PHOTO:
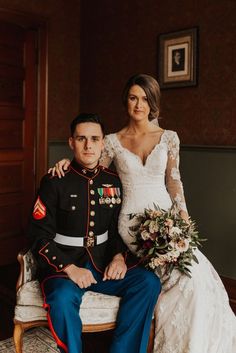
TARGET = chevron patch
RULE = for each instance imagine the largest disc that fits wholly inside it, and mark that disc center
(39, 209)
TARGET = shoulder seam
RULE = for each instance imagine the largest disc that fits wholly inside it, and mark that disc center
(109, 171)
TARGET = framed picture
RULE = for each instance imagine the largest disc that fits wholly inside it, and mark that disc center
(177, 64)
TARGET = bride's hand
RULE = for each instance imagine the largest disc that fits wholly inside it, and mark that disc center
(185, 216)
(59, 168)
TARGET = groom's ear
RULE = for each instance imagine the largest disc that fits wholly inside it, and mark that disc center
(71, 143)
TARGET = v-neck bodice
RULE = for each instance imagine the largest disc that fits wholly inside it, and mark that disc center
(135, 154)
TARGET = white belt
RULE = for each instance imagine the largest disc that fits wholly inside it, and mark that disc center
(79, 241)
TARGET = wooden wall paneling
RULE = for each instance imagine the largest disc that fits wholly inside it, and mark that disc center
(11, 134)
(18, 123)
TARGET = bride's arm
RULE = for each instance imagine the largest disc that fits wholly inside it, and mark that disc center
(173, 180)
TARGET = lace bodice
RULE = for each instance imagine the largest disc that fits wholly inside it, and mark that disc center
(157, 181)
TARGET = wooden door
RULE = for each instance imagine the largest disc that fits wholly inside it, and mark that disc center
(18, 131)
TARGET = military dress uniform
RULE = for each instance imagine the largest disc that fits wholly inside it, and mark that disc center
(74, 221)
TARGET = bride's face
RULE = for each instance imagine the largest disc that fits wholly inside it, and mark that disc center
(137, 104)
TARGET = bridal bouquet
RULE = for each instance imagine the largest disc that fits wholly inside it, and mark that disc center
(164, 240)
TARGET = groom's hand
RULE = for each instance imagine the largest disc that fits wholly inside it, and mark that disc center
(81, 276)
(116, 269)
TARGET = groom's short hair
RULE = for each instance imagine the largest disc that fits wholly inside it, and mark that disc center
(86, 118)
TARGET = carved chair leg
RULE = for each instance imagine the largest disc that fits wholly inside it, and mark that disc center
(151, 338)
(18, 337)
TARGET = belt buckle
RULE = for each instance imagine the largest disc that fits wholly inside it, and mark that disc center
(89, 242)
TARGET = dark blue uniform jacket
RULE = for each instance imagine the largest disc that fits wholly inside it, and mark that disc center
(85, 203)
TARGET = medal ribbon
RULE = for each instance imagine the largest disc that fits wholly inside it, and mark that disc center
(100, 191)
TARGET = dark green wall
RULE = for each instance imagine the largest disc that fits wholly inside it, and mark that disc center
(209, 177)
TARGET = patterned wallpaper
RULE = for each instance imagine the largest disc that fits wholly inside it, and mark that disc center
(119, 39)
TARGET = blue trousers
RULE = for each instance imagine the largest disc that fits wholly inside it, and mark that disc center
(139, 291)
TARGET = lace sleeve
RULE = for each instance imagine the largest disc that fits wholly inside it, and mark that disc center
(108, 152)
(173, 180)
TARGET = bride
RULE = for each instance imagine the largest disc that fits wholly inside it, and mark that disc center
(192, 314)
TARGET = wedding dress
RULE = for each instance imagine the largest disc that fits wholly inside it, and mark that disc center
(192, 315)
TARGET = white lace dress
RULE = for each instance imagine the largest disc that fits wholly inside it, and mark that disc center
(192, 315)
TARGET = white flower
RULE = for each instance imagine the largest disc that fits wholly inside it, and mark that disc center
(161, 260)
(175, 231)
(153, 227)
(182, 245)
(179, 245)
(169, 222)
(145, 235)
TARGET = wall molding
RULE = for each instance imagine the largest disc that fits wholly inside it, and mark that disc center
(206, 148)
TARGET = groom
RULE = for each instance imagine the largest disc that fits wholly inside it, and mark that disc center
(74, 237)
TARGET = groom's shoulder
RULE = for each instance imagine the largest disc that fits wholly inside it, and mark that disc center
(110, 178)
(109, 171)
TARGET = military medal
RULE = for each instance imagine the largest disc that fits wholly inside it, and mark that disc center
(101, 200)
(112, 191)
(118, 199)
(106, 195)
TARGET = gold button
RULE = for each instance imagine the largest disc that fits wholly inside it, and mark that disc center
(60, 265)
(91, 182)
(46, 251)
(54, 257)
(92, 213)
(91, 233)
(91, 224)
(92, 192)
(92, 202)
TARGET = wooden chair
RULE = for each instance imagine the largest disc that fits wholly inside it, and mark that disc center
(98, 311)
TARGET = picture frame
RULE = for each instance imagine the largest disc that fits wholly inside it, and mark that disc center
(177, 58)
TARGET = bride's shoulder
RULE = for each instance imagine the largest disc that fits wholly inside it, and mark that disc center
(111, 142)
(110, 137)
(170, 133)
(171, 136)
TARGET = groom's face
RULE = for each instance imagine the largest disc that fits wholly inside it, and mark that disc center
(87, 143)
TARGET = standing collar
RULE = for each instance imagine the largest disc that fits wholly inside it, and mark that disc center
(84, 171)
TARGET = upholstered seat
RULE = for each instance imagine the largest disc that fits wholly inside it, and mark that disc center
(95, 309)
(98, 311)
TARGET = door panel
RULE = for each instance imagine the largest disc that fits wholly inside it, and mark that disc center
(18, 114)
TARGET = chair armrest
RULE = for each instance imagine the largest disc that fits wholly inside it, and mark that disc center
(28, 268)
